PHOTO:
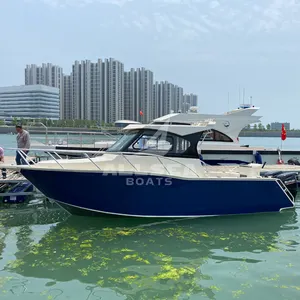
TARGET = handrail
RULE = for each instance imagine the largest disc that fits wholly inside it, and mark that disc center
(160, 158)
(153, 155)
(41, 123)
(92, 162)
(124, 154)
(23, 156)
(285, 189)
(55, 159)
(59, 151)
(81, 132)
(206, 133)
(81, 138)
(163, 165)
(95, 152)
(107, 134)
(129, 162)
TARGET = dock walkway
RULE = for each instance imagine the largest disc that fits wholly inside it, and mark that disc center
(15, 184)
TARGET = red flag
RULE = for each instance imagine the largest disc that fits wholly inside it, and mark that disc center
(283, 133)
(141, 113)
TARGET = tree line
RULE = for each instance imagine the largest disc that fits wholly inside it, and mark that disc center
(59, 123)
(260, 127)
(94, 124)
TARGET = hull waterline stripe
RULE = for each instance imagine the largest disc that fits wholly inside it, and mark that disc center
(154, 216)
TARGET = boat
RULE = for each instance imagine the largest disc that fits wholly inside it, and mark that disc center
(231, 123)
(227, 126)
(154, 170)
(221, 147)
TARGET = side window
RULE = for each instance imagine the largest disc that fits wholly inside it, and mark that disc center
(154, 142)
(209, 136)
(220, 137)
(182, 145)
(216, 136)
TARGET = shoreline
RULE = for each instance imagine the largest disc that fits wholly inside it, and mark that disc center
(116, 131)
(269, 133)
(51, 130)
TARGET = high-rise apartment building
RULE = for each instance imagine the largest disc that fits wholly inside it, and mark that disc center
(102, 91)
(167, 98)
(81, 91)
(113, 90)
(162, 98)
(138, 95)
(177, 104)
(189, 100)
(95, 91)
(67, 107)
(46, 74)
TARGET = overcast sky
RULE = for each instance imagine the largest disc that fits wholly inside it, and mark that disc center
(208, 47)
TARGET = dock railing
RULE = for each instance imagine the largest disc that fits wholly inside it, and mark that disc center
(69, 138)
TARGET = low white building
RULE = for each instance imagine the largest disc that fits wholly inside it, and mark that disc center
(30, 101)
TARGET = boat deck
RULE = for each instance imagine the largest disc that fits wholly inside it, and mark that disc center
(286, 168)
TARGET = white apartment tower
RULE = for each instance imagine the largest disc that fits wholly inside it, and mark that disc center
(162, 98)
(177, 104)
(138, 95)
(96, 91)
(113, 90)
(68, 110)
(81, 90)
(190, 99)
(167, 98)
(102, 91)
(47, 74)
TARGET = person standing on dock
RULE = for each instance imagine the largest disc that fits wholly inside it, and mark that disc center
(4, 174)
(23, 142)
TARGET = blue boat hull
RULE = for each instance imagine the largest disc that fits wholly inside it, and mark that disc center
(152, 196)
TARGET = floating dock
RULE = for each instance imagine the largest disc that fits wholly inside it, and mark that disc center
(15, 187)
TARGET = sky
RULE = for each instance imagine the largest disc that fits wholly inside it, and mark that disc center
(210, 48)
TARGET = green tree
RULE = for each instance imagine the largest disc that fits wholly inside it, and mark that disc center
(15, 121)
(261, 127)
(2, 122)
(268, 127)
(255, 127)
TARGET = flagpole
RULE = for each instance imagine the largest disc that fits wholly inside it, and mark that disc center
(283, 135)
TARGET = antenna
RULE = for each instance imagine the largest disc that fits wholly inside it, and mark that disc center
(251, 100)
(228, 101)
(239, 95)
(244, 96)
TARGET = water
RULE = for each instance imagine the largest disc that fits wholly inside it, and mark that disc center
(47, 254)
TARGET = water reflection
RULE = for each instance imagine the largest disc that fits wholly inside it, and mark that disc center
(36, 212)
(142, 259)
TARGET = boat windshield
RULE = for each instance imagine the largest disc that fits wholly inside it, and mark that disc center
(125, 139)
(157, 142)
